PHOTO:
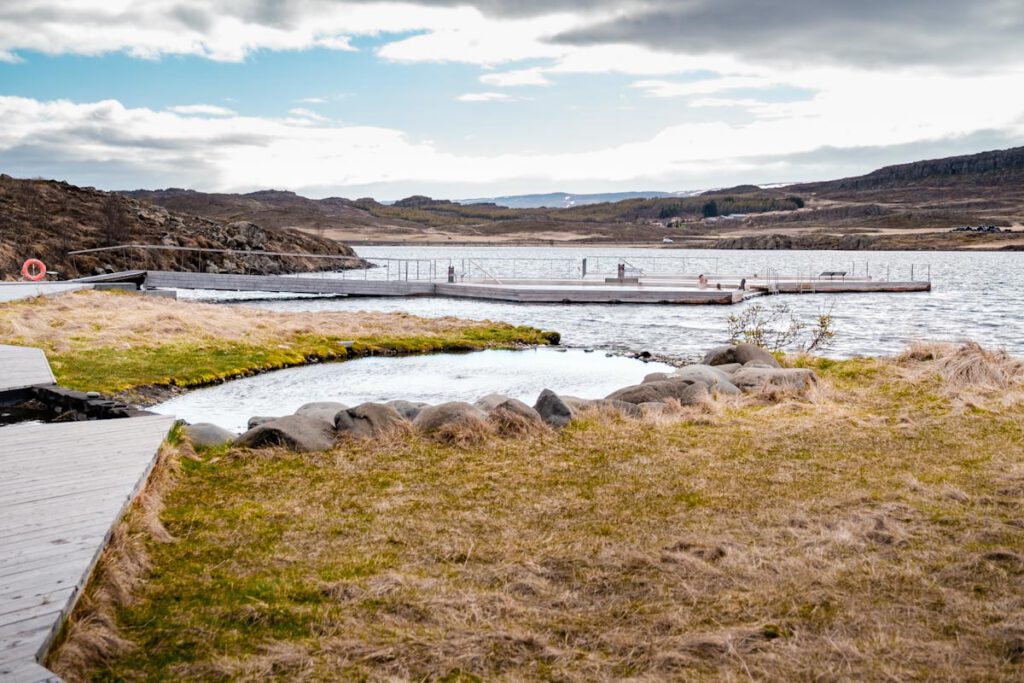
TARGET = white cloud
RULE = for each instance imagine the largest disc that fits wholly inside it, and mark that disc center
(233, 153)
(311, 100)
(706, 86)
(201, 110)
(522, 77)
(302, 113)
(486, 97)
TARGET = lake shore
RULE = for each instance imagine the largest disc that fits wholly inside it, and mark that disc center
(868, 529)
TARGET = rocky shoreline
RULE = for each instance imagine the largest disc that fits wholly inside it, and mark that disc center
(724, 371)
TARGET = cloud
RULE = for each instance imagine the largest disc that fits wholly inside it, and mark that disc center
(201, 110)
(867, 34)
(486, 97)
(311, 100)
(240, 153)
(706, 86)
(302, 113)
(506, 79)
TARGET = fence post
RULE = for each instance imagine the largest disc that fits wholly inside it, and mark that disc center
(584, 266)
(911, 272)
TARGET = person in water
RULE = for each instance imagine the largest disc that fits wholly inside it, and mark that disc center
(702, 281)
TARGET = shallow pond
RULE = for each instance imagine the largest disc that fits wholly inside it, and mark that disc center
(430, 379)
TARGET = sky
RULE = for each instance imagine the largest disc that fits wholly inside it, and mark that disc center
(463, 98)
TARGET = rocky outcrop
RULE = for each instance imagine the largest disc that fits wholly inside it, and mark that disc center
(46, 219)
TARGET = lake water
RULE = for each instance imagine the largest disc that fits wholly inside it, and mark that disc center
(975, 296)
(430, 379)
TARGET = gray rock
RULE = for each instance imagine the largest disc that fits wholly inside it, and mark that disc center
(740, 353)
(454, 413)
(750, 378)
(258, 420)
(490, 402)
(577, 404)
(295, 432)
(710, 376)
(655, 377)
(369, 420)
(322, 410)
(206, 435)
(552, 409)
(408, 409)
(729, 368)
(513, 416)
(656, 392)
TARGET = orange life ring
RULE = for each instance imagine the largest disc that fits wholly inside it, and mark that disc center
(28, 274)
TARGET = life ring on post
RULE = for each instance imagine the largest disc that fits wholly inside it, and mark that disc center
(33, 270)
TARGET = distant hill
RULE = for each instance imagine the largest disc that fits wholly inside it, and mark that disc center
(563, 200)
(46, 219)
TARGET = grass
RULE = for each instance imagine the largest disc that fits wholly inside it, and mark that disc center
(114, 343)
(870, 531)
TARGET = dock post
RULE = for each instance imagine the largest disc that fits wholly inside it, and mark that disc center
(911, 272)
(451, 274)
(622, 271)
(584, 266)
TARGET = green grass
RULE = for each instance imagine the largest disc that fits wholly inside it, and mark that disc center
(115, 370)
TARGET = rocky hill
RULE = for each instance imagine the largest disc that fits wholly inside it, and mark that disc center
(46, 219)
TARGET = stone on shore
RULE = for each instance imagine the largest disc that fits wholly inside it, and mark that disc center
(552, 409)
(207, 435)
(408, 409)
(257, 420)
(740, 353)
(754, 378)
(321, 409)
(369, 420)
(657, 392)
(708, 375)
(490, 402)
(452, 414)
(515, 417)
(295, 432)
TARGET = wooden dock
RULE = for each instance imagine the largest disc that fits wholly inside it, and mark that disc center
(62, 489)
(22, 367)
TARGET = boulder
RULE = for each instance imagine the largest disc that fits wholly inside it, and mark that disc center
(258, 420)
(295, 432)
(750, 378)
(729, 368)
(655, 377)
(206, 435)
(656, 392)
(577, 404)
(552, 409)
(322, 410)
(408, 409)
(708, 375)
(739, 353)
(452, 414)
(490, 402)
(369, 420)
(515, 417)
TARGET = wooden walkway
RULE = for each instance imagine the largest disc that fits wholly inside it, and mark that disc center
(22, 367)
(14, 291)
(62, 489)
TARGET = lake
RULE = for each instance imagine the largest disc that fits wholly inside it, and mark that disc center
(975, 296)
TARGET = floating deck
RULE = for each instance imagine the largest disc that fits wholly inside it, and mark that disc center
(62, 489)
(643, 289)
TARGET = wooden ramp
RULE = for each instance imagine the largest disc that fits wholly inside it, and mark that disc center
(62, 489)
(22, 367)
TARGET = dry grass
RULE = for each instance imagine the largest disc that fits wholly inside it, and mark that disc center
(103, 320)
(872, 532)
(968, 373)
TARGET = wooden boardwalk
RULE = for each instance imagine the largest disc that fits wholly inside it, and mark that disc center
(62, 489)
(14, 291)
(22, 367)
